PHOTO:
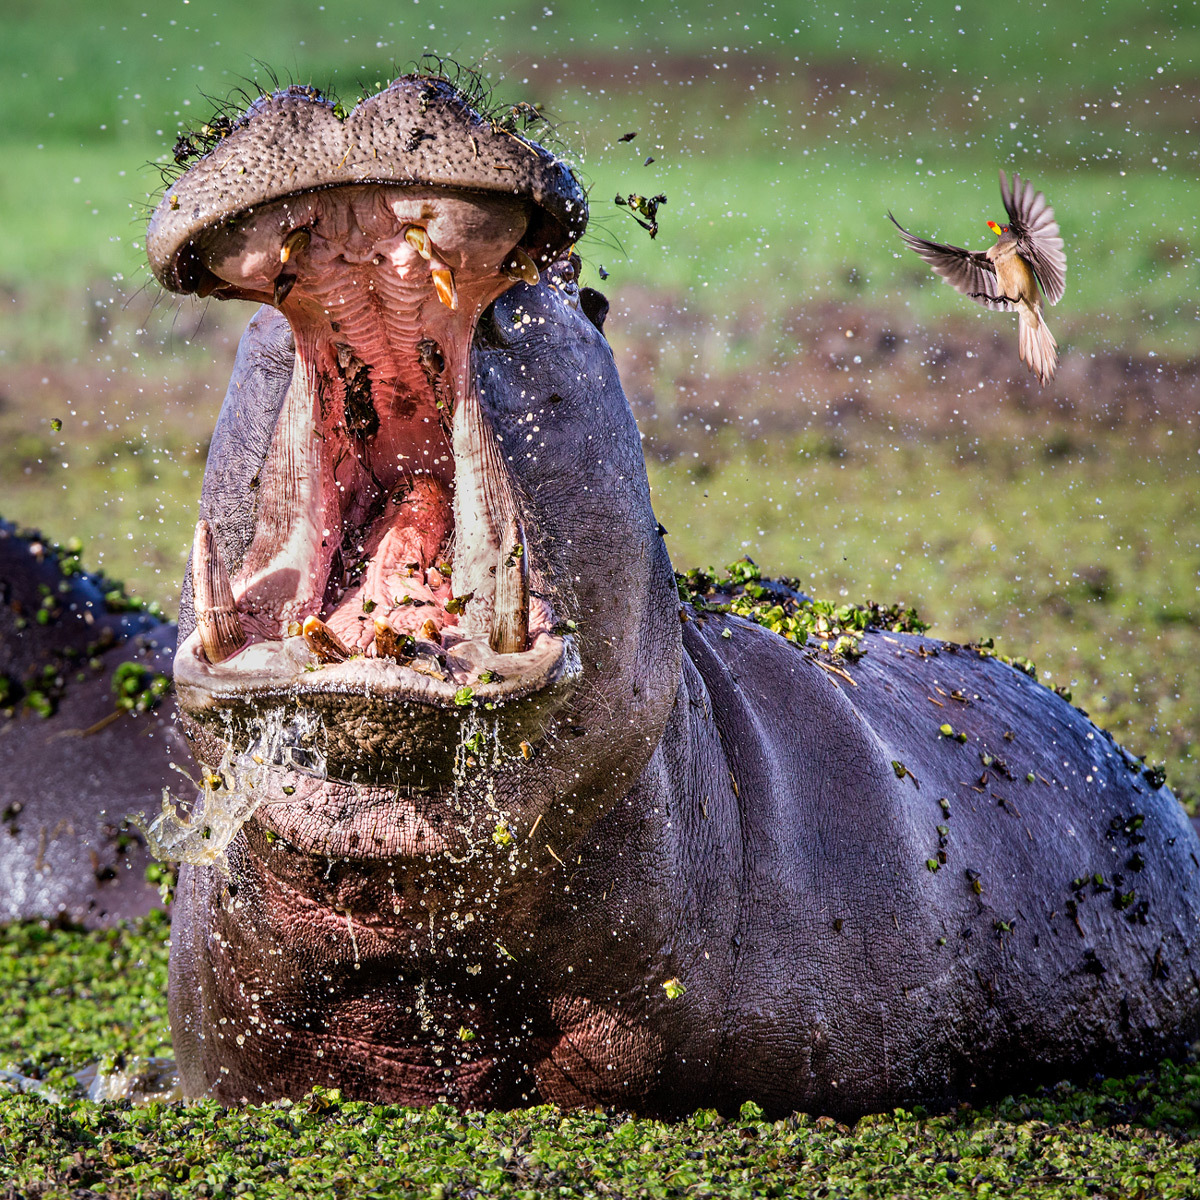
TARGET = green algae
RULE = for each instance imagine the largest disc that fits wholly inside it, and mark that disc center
(74, 997)
(780, 606)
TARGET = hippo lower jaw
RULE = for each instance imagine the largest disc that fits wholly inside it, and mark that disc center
(389, 561)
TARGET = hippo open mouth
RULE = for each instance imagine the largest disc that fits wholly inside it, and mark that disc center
(387, 555)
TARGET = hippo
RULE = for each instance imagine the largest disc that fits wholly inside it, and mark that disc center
(87, 735)
(526, 817)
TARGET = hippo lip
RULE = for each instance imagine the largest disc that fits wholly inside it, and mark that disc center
(389, 555)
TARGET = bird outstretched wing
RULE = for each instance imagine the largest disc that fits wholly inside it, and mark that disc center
(967, 271)
(1039, 242)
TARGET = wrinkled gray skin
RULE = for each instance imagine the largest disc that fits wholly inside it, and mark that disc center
(68, 781)
(698, 803)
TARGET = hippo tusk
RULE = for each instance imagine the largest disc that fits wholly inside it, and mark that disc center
(221, 632)
(294, 243)
(443, 277)
(283, 285)
(418, 239)
(510, 615)
(520, 266)
(443, 284)
(390, 644)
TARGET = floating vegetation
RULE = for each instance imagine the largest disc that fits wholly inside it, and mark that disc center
(673, 988)
(138, 689)
(780, 606)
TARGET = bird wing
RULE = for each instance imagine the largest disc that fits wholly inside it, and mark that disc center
(967, 271)
(1038, 238)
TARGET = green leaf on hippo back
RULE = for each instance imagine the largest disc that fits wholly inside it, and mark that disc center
(674, 988)
(464, 696)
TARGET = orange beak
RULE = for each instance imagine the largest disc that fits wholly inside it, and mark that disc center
(995, 228)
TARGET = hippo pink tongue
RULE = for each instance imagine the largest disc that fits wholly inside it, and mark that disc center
(381, 443)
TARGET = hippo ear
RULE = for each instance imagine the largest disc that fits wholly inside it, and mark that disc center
(594, 305)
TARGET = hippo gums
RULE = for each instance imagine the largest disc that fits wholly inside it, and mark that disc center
(528, 826)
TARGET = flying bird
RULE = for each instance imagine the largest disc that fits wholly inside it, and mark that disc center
(1007, 276)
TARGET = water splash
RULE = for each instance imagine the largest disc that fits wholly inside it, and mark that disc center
(232, 791)
(138, 1080)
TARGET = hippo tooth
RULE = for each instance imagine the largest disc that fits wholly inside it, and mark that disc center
(520, 266)
(418, 239)
(443, 277)
(221, 632)
(510, 615)
(390, 644)
(443, 283)
(295, 241)
(323, 642)
(283, 285)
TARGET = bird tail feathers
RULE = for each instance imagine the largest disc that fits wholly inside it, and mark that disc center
(1037, 345)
